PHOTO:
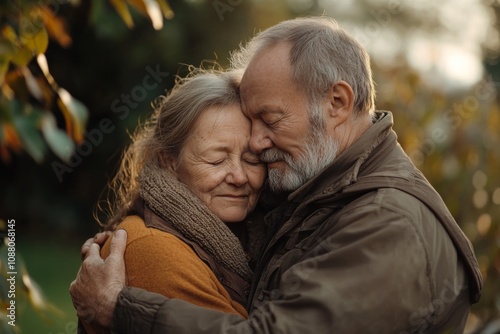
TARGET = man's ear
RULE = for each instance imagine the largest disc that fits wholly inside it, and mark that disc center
(340, 102)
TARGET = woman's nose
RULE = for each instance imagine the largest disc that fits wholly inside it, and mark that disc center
(237, 175)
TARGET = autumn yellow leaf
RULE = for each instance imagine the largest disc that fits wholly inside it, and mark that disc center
(122, 9)
(37, 41)
(166, 9)
(75, 114)
(11, 139)
(56, 27)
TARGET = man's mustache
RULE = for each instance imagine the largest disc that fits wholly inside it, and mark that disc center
(274, 154)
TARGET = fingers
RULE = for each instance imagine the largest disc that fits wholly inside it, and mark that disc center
(72, 292)
(100, 238)
(85, 248)
(95, 290)
(118, 244)
(94, 251)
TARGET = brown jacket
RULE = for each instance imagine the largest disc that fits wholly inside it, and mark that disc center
(367, 246)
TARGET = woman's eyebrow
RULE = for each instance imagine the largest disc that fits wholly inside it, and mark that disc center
(222, 147)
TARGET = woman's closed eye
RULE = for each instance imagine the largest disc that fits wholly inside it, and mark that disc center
(213, 159)
(215, 162)
(252, 159)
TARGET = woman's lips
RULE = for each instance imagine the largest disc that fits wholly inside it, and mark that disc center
(230, 195)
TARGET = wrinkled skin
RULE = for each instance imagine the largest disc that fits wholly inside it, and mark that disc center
(95, 290)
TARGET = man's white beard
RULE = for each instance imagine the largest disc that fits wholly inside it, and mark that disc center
(320, 151)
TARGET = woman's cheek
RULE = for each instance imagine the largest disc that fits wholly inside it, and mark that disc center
(258, 177)
(213, 176)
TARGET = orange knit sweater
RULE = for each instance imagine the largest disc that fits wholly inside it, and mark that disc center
(160, 262)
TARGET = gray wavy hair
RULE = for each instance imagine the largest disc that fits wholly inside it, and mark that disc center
(321, 54)
(163, 135)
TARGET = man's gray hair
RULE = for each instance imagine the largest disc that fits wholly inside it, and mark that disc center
(321, 54)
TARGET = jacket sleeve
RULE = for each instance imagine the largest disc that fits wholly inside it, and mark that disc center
(369, 274)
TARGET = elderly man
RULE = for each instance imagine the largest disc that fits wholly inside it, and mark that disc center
(362, 244)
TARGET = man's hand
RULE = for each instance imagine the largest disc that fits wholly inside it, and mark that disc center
(100, 238)
(98, 283)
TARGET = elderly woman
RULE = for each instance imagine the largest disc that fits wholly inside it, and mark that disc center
(185, 186)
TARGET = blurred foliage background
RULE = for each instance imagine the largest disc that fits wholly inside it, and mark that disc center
(76, 76)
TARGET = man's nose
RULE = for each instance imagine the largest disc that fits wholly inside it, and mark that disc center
(259, 140)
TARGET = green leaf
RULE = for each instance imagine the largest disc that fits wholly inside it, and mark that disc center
(26, 125)
(57, 139)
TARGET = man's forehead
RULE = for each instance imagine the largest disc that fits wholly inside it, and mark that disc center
(249, 82)
(273, 59)
(251, 75)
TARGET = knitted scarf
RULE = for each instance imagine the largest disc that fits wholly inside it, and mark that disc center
(174, 202)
